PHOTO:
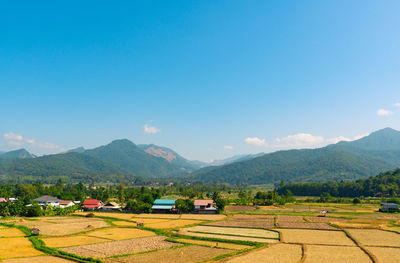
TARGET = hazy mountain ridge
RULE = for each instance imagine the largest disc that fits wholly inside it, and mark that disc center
(378, 152)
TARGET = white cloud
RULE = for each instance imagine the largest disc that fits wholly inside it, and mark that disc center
(299, 140)
(383, 112)
(397, 104)
(228, 147)
(150, 129)
(255, 141)
(18, 140)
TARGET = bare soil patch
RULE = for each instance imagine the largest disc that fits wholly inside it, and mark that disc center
(186, 254)
(268, 218)
(278, 253)
(113, 248)
(316, 237)
(318, 254)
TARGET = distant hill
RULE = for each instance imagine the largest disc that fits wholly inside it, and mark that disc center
(19, 154)
(378, 152)
(236, 158)
(119, 161)
(172, 157)
(77, 150)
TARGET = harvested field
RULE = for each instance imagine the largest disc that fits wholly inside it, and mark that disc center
(269, 218)
(354, 225)
(68, 227)
(305, 225)
(317, 237)
(176, 255)
(152, 220)
(283, 218)
(386, 254)
(120, 233)
(236, 208)
(10, 232)
(373, 237)
(325, 219)
(227, 237)
(282, 253)
(318, 254)
(124, 223)
(173, 223)
(237, 223)
(213, 244)
(108, 214)
(248, 232)
(38, 259)
(17, 247)
(203, 217)
(121, 247)
(69, 241)
(168, 216)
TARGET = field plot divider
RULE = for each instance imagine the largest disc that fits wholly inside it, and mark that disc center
(366, 251)
(303, 253)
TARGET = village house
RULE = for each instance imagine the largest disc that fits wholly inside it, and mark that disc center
(204, 207)
(111, 206)
(3, 200)
(92, 204)
(48, 200)
(164, 206)
(389, 207)
(66, 203)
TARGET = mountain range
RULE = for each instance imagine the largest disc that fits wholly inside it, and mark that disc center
(368, 156)
(124, 161)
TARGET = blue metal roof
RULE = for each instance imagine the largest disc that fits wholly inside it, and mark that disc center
(161, 207)
(164, 202)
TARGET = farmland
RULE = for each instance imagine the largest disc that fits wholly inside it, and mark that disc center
(279, 234)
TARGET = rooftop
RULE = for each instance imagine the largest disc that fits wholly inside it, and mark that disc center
(47, 198)
(164, 202)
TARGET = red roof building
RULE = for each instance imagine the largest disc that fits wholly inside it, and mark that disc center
(92, 204)
(204, 206)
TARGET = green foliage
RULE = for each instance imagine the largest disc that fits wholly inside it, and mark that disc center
(34, 210)
(356, 200)
(385, 185)
(185, 205)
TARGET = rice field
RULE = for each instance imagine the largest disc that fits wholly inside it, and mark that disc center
(386, 254)
(17, 247)
(248, 232)
(152, 220)
(37, 259)
(237, 223)
(325, 219)
(10, 232)
(228, 237)
(305, 225)
(213, 244)
(65, 227)
(124, 223)
(284, 218)
(254, 217)
(173, 223)
(167, 216)
(278, 253)
(112, 248)
(120, 233)
(68, 241)
(203, 216)
(373, 237)
(316, 237)
(318, 254)
(187, 254)
(126, 216)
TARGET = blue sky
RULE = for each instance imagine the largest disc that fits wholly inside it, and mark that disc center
(210, 79)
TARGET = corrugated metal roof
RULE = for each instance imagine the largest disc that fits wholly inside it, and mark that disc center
(164, 202)
(203, 202)
(161, 207)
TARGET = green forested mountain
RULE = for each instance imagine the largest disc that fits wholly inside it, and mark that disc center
(380, 151)
(19, 154)
(121, 160)
(385, 184)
